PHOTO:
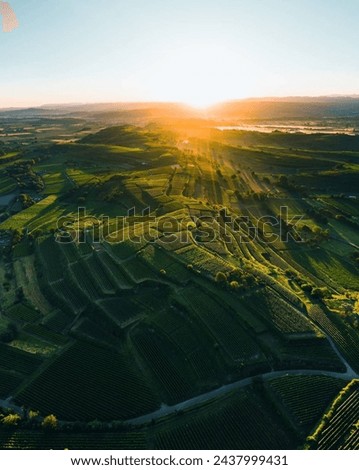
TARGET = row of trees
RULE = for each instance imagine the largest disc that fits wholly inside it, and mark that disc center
(236, 279)
(25, 175)
(32, 418)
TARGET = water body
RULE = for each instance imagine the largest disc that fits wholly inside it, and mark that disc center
(289, 129)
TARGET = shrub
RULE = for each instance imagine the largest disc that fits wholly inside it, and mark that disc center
(234, 285)
(11, 420)
(50, 422)
(221, 278)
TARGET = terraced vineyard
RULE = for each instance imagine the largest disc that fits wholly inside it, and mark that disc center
(346, 338)
(170, 311)
(9, 381)
(23, 313)
(191, 341)
(224, 327)
(339, 428)
(169, 368)
(305, 397)
(228, 427)
(281, 315)
(70, 386)
(12, 359)
(22, 439)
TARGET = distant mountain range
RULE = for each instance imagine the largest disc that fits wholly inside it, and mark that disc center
(251, 108)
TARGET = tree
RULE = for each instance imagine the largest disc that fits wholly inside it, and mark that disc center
(234, 285)
(33, 415)
(20, 294)
(11, 420)
(319, 292)
(307, 287)
(16, 237)
(221, 278)
(249, 279)
(26, 201)
(50, 422)
(236, 274)
(283, 181)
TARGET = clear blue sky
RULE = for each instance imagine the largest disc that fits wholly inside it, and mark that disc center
(195, 51)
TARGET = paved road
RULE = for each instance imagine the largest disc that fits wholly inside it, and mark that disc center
(167, 410)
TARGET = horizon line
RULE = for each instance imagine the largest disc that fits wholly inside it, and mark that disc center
(183, 103)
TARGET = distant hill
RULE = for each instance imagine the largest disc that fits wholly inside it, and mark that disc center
(126, 136)
(289, 108)
(253, 108)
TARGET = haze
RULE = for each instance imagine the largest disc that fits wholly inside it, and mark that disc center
(193, 52)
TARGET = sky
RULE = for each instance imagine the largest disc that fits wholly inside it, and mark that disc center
(193, 51)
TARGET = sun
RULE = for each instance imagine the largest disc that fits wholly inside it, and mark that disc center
(199, 75)
(203, 99)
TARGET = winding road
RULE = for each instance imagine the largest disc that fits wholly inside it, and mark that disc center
(166, 410)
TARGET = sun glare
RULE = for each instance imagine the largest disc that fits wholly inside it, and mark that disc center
(200, 98)
(199, 75)
(203, 100)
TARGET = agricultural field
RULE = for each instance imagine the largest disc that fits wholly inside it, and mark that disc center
(227, 425)
(24, 439)
(177, 284)
(339, 426)
(95, 371)
(305, 398)
(33, 217)
(17, 361)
